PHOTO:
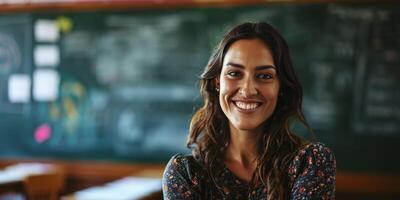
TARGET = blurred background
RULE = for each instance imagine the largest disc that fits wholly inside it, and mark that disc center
(105, 89)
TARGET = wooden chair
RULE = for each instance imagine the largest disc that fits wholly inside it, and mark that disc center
(44, 186)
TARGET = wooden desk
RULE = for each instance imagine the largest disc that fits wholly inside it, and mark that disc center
(144, 185)
(7, 186)
(12, 177)
(10, 182)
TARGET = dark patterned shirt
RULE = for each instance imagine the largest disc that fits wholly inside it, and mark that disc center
(311, 176)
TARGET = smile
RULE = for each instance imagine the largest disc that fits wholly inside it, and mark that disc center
(247, 106)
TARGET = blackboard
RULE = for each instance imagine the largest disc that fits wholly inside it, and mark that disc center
(128, 79)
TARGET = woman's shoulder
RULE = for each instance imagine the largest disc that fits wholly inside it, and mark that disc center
(183, 160)
(314, 148)
(183, 177)
(312, 173)
(313, 155)
(182, 164)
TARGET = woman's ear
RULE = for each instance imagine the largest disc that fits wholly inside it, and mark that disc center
(216, 83)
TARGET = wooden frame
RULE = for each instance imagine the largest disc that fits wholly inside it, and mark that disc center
(94, 5)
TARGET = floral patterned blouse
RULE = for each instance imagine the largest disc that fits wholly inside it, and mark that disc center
(311, 176)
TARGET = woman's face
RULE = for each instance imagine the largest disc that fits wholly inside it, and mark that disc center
(249, 84)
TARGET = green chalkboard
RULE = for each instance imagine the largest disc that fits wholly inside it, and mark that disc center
(126, 82)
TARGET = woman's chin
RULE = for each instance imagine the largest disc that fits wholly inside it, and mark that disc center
(248, 127)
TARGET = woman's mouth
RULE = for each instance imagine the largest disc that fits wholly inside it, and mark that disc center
(246, 106)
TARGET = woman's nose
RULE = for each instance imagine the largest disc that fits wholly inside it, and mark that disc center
(248, 88)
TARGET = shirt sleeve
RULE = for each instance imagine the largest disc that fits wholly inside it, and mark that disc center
(313, 173)
(179, 181)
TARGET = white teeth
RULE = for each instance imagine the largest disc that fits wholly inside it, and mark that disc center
(246, 106)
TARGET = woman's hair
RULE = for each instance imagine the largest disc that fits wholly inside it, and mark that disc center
(209, 129)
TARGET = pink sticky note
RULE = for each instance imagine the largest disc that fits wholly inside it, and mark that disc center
(42, 133)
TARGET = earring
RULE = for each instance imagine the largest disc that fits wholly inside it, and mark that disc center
(217, 89)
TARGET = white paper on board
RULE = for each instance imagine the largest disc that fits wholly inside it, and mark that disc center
(45, 85)
(46, 30)
(19, 88)
(46, 55)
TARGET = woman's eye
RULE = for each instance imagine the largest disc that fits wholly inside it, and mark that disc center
(233, 74)
(264, 76)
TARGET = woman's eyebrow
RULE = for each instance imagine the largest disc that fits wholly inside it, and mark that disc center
(235, 65)
(261, 67)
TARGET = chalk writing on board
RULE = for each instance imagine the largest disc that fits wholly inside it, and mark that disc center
(10, 54)
(365, 14)
(376, 109)
(69, 117)
(321, 106)
(15, 58)
(129, 127)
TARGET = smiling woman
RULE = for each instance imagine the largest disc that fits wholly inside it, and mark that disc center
(242, 145)
(248, 86)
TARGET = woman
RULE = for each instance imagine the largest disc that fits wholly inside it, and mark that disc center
(242, 145)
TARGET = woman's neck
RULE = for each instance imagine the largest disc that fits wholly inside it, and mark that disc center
(241, 149)
(241, 153)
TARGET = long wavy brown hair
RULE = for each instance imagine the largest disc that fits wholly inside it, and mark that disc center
(209, 129)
